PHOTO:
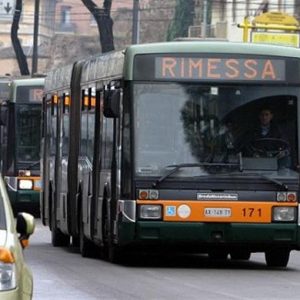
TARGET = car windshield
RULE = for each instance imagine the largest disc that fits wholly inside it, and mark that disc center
(209, 130)
(28, 132)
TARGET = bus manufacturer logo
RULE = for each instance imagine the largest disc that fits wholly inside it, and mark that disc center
(217, 196)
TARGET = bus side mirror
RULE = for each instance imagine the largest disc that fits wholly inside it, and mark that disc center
(111, 107)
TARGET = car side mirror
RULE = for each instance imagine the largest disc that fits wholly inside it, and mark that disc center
(111, 108)
(25, 227)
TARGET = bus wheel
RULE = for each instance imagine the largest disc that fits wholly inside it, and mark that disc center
(87, 247)
(277, 257)
(115, 253)
(59, 239)
(218, 254)
(240, 255)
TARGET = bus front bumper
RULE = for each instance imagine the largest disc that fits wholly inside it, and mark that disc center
(25, 201)
(256, 237)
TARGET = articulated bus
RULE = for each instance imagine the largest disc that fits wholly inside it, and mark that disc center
(20, 142)
(154, 147)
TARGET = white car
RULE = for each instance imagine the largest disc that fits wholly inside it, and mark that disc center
(16, 281)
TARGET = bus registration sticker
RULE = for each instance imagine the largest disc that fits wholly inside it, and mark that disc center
(217, 212)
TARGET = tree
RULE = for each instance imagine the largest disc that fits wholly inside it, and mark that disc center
(104, 23)
(21, 58)
(184, 14)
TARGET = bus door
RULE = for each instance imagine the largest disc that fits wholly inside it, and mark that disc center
(112, 151)
(63, 162)
(92, 157)
(84, 162)
(94, 187)
(46, 152)
(58, 203)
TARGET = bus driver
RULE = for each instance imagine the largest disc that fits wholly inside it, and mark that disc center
(268, 140)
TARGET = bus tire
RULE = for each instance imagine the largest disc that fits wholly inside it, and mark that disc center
(240, 255)
(278, 257)
(87, 247)
(59, 239)
(111, 252)
(115, 253)
(219, 254)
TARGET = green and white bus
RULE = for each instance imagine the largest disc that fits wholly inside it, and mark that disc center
(152, 147)
(20, 142)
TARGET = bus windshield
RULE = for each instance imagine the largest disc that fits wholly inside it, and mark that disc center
(28, 133)
(204, 130)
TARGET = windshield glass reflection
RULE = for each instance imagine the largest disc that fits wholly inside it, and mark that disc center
(215, 126)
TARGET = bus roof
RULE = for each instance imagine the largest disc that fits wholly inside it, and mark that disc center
(205, 47)
(59, 78)
(24, 82)
(28, 81)
(115, 64)
(213, 47)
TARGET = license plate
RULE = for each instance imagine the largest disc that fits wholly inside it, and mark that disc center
(217, 212)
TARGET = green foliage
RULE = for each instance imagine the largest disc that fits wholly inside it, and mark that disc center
(184, 14)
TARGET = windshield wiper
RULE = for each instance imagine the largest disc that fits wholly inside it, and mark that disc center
(180, 166)
(32, 165)
(282, 186)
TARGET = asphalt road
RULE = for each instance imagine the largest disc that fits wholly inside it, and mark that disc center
(62, 274)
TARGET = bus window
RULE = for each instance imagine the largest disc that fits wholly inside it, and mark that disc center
(186, 123)
(29, 94)
(28, 132)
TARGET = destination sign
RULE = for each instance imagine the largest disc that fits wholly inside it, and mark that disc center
(219, 69)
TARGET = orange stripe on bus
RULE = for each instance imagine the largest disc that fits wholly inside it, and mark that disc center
(217, 211)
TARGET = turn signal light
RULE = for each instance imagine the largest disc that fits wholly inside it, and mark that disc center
(286, 196)
(148, 194)
(6, 256)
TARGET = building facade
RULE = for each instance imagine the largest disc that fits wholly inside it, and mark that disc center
(8, 63)
(223, 16)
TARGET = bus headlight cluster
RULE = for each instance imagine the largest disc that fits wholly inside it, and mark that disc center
(286, 196)
(284, 214)
(148, 194)
(7, 276)
(150, 212)
(25, 184)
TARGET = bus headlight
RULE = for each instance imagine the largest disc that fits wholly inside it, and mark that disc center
(284, 213)
(7, 276)
(25, 184)
(148, 194)
(150, 212)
